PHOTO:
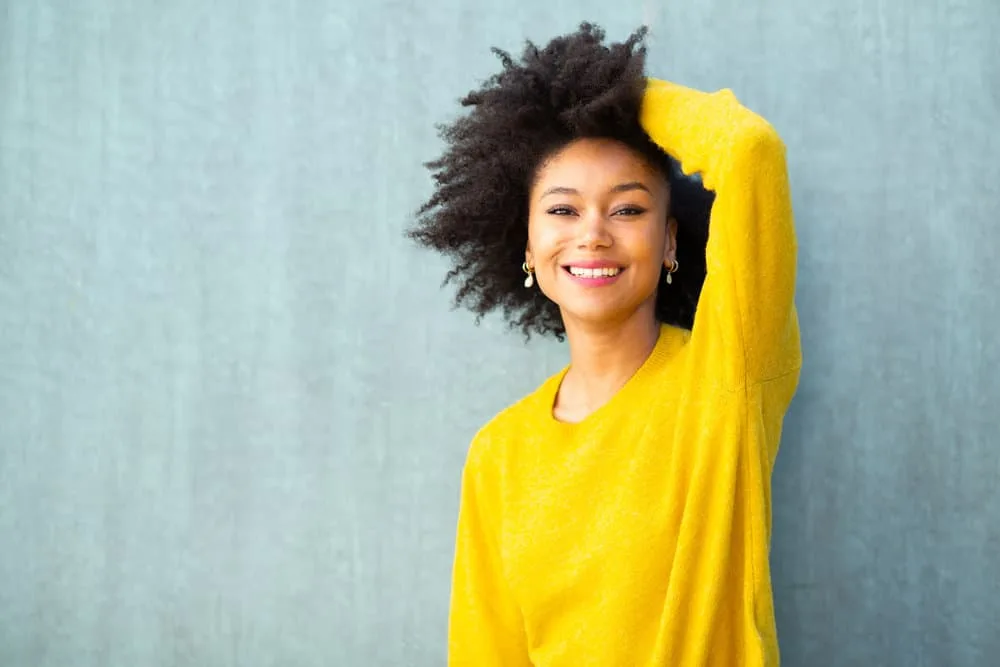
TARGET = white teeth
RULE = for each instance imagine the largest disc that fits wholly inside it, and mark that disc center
(593, 273)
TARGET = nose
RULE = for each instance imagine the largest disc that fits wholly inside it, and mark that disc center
(593, 231)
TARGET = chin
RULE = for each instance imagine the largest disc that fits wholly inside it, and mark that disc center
(597, 315)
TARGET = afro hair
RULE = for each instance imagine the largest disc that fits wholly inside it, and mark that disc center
(575, 87)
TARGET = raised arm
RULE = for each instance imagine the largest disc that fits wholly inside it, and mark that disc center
(748, 297)
(485, 624)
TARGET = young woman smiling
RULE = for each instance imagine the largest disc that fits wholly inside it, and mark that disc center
(620, 514)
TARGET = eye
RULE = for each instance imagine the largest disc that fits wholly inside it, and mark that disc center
(561, 210)
(630, 211)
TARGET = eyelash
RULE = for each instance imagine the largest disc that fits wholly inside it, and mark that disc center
(631, 211)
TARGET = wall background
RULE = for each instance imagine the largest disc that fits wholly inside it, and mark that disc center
(234, 403)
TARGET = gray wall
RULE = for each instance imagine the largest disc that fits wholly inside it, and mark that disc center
(234, 403)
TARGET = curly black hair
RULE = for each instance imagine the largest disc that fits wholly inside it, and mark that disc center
(574, 87)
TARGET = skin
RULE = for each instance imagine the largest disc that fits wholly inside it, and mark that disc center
(598, 200)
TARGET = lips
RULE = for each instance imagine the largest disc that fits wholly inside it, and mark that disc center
(593, 273)
(599, 272)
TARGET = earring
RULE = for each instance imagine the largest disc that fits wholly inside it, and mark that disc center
(671, 271)
(530, 280)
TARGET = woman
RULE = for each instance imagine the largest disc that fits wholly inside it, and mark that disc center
(620, 514)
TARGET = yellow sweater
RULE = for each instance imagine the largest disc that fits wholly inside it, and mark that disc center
(640, 536)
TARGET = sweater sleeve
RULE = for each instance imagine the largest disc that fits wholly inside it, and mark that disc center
(748, 295)
(485, 624)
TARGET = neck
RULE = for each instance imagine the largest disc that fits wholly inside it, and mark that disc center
(602, 359)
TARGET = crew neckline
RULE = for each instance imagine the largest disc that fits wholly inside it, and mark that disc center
(653, 362)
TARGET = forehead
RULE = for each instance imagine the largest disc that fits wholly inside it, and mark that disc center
(597, 162)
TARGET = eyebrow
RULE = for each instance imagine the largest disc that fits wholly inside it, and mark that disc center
(621, 187)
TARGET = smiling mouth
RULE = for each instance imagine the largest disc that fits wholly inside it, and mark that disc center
(595, 273)
(597, 276)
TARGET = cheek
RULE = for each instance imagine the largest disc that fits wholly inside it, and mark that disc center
(648, 244)
(545, 240)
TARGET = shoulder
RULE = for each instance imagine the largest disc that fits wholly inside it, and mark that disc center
(496, 444)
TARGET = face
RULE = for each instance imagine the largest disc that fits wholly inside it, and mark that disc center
(598, 232)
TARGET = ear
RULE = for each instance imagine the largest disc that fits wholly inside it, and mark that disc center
(528, 258)
(670, 243)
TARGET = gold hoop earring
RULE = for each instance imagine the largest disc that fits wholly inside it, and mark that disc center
(530, 280)
(672, 270)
